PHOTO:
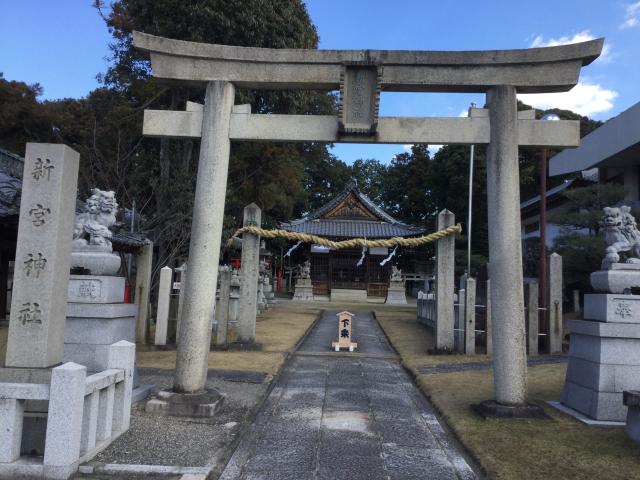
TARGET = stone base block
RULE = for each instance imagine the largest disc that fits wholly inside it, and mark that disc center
(347, 295)
(303, 293)
(95, 262)
(595, 404)
(632, 400)
(583, 418)
(604, 360)
(96, 289)
(493, 409)
(99, 331)
(616, 308)
(396, 296)
(615, 281)
(30, 468)
(94, 357)
(203, 404)
(92, 327)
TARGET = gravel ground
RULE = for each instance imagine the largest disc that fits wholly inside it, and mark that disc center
(187, 442)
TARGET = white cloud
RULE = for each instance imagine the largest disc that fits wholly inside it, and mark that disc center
(433, 149)
(585, 98)
(407, 147)
(583, 36)
(464, 113)
(632, 16)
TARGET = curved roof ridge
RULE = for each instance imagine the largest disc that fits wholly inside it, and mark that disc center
(331, 224)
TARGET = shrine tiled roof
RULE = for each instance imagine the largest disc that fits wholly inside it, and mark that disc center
(351, 214)
(353, 229)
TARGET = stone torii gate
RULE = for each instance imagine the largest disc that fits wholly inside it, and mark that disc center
(360, 75)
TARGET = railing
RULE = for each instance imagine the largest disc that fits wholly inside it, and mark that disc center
(478, 318)
(85, 414)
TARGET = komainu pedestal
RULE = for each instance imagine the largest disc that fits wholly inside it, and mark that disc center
(304, 288)
(604, 350)
(396, 294)
(604, 360)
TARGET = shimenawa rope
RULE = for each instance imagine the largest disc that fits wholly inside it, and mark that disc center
(352, 243)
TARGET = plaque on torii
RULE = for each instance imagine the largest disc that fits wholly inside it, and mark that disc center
(359, 99)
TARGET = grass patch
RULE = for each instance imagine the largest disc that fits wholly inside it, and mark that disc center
(562, 448)
(279, 330)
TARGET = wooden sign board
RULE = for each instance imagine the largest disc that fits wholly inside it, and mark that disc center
(345, 321)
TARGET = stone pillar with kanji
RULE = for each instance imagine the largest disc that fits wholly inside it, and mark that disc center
(43, 256)
(345, 321)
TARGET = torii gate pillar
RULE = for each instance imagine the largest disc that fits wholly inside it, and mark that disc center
(505, 251)
(206, 234)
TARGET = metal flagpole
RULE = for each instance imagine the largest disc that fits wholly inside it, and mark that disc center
(469, 216)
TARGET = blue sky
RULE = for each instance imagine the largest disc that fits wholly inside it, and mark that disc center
(62, 45)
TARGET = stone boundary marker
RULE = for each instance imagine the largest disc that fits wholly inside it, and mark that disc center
(43, 255)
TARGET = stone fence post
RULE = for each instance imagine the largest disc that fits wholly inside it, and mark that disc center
(459, 326)
(222, 310)
(249, 276)
(164, 299)
(122, 355)
(533, 326)
(234, 297)
(488, 324)
(144, 261)
(64, 421)
(470, 317)
(445, 285)
(554, 313)
(181, 295)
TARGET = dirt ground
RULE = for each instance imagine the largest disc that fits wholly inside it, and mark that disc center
(278, 330)
(560, 448)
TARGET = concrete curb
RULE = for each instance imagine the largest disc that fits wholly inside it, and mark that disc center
(122, 468)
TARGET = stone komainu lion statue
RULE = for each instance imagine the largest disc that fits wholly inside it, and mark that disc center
(396, 274)
(91, 226)
(621, 233)
(305, 270)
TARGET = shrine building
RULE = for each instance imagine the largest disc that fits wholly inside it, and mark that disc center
(336, 273)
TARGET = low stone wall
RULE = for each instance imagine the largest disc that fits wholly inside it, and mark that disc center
(84, 415)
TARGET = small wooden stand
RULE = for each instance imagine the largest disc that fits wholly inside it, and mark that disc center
(345, 320)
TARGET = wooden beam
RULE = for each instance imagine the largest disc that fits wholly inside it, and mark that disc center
(391, 130)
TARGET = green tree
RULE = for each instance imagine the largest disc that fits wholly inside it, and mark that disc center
(22, 118)
(371, 175)
(269, 174)
(580, 244)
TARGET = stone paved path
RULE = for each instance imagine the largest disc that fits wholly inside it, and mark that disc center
(331, 416)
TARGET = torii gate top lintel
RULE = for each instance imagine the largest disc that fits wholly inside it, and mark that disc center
(533, 70)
